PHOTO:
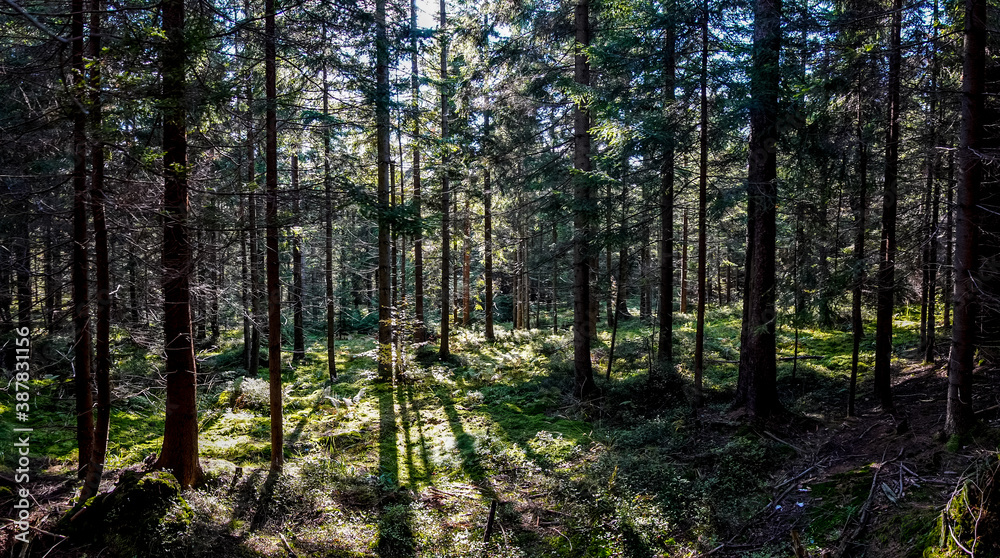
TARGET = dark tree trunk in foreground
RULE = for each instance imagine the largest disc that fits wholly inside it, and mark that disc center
(887, 247)
(443, 351)
(488, 248)
(102, 343)
(757, 385)
(81, 286)
(382, 145)
(665, 346)
(699, 336)
(299, 338)
(959, 417)
(271, 240)
(582, 217)
(180, 432)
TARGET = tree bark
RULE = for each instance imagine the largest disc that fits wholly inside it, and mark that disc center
(699, 338)
(959, 417)
(887, 247)
(488, 248)
(385, 359)
(299, 338)
(443, 350)
(757, 383)
(582, 216)
(420, 329)
(102, 268)
(861, 211)
(331, 316)
(180, 433)
(81, 287)
(271, 263)
(466, 265)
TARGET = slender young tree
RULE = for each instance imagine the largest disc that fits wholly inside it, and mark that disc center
(887, 247)
(959, 417)
(271, 216)
(180, 431)
(757, 384)
(582, 215)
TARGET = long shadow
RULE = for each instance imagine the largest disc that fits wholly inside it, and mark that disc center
(424, 451)
(395, 534)
(407, 412)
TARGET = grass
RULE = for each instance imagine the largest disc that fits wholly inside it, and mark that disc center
(410, 468)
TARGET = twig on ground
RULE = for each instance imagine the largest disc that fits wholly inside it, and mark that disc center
(779, 440)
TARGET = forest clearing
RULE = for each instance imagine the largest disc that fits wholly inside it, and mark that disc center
(520, 278)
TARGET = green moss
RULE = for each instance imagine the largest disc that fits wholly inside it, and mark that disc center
(144, 515)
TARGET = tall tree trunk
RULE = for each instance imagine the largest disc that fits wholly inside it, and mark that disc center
(102, 268)
(180, 430)
(554, 302)
(466, 265)
(959, 417)
(331, 326)
(271, 264)
(684, 262)
(444, 351)
(699, 336)
(382, 144)
(488, 248)
(949, 274)
(934, 191)
(861, 211)
(420, 330)
(81, 287)
(887, 247)
(757, 384)
(299, 338)
(582, 216)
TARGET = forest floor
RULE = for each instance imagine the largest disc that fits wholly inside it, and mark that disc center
(411, 468)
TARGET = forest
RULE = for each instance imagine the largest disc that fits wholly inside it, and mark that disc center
(520, 278)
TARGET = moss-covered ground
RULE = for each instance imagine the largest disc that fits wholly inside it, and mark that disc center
(411, 467)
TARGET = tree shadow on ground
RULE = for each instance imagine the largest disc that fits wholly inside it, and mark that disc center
(395, 533)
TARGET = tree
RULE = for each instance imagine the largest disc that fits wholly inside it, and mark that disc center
(81, 288)
(443, 350)
(299, 340)
(959, 417)
(180, 432)
(102, 268)
(271, 265)
(887, 248)
(665, 347)
(757, 384)
(582, 214)
(699, 336)
(382, 145)
(420, 331)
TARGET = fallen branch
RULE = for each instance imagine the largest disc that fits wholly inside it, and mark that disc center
(779, 440)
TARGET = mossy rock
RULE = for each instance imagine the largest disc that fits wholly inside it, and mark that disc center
(144, 515)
